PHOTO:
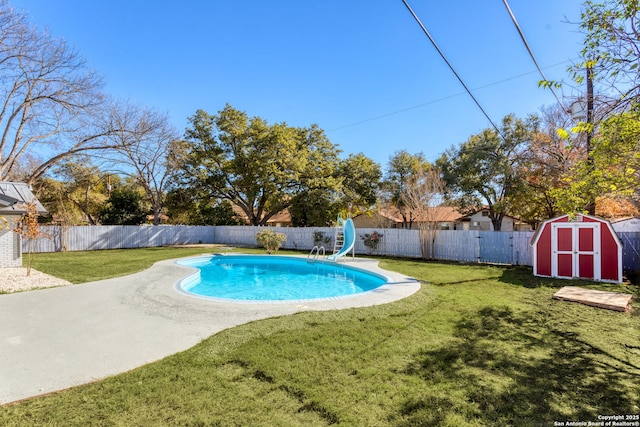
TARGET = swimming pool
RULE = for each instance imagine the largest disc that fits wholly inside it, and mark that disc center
(274, 278)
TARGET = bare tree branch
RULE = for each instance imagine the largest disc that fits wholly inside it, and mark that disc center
(145, 145)
(50, 103)
(423, 197)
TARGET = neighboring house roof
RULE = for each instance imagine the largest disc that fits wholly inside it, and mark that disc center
(440, 214)
(617, 220)
(14, 195)
(282, 217)
(631, 223)
(432, 214)
(391, 214)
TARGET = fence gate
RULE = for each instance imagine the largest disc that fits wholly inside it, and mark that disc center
(496, 247)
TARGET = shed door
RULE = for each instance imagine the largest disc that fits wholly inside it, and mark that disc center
(575, 249)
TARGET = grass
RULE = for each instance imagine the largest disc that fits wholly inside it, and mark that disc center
(88, 266)
(476, 346)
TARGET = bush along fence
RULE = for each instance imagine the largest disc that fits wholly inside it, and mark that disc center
(504, 247)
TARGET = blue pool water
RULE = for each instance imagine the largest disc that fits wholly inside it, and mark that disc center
(275, 278)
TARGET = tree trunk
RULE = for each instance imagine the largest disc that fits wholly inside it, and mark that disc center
(496, 220)
(427, 242)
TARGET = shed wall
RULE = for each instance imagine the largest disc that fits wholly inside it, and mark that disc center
(609, 260)
(543, 252)
(609, 251)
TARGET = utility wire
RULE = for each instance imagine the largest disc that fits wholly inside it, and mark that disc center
(433, 101)
(526, 44)
(435, 45)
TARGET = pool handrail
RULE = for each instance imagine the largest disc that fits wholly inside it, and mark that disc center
(315, 250)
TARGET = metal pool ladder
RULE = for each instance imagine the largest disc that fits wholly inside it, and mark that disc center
(315, 252)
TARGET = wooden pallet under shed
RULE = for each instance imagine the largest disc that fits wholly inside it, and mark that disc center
(601, 299)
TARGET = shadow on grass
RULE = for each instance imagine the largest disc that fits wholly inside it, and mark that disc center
(539, 375)
(523, 276)
(633, 277)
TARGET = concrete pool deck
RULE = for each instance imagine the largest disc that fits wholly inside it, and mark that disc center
(53, 339)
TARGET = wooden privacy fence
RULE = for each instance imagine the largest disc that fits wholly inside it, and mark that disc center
(88, 238)
(398, 242)
(502, 247)
(630, 250)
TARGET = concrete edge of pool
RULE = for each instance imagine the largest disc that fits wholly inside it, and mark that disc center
(364, 265)
(57, 338)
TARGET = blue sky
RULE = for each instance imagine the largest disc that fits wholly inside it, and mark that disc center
(361, 69)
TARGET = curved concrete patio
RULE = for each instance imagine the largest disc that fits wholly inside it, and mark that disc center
(53, 339)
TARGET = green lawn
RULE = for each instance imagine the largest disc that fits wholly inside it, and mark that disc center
(87, 266)
(477, 345)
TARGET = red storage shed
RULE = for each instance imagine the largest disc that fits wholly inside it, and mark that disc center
(584, 247)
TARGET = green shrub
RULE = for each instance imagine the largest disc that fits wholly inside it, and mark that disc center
(372, 240)
(319, 238)
(270, 240)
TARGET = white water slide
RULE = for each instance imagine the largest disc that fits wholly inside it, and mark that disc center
(349, 232)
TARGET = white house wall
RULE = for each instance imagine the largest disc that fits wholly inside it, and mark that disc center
(10, 253)
(485, 223)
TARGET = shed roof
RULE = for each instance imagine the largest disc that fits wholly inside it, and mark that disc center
(14, 195)
(579, 218)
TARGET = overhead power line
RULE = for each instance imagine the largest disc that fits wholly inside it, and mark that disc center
(435, 45)
(526, 44)
(433, 101)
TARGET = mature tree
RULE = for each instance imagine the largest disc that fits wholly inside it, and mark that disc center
(617, 207)
(614, 171)
(611, 50)
(423, 196)
(77, 194)
(51, 193)
(549, 160)
(315, 208)
(402, 166)
(357, 181)
(617, 154)
(360, 182)
(187, 206)
(610, 59)
(47, 97)
(146, 148)
(124, 207)
(259, 167)
(489, 167)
